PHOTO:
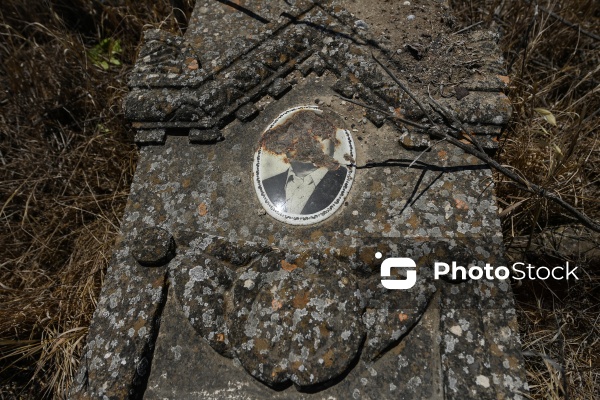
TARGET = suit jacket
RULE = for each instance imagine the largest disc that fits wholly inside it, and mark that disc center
(325, 192)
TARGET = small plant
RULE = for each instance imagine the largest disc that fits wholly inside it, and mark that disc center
(105, 53)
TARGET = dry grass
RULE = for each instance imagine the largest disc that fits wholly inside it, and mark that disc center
(66, 164)
(554, 67)
(65, 168)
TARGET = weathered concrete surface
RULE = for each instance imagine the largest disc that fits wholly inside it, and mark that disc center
(213, 74)
(258, 308)
(415, 373)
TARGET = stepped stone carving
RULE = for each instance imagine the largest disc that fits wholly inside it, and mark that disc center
(172, 87)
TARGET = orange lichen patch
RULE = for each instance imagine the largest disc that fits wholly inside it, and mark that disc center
(316, 235)
(120, 239)
(276, 371)
(504, 78)
(158, 282)
(387, 228)
(513, 362)
(345, 251)
(396, 192)
(461, 205)
(414, 221)
(407, 141)
(302, 258)
(283, 58)
(202, 209)
(402, 317)
(139, 324)
(301, 300)
(438, 252)
(504, 99)
(352, 78)
(377, 186)
(186, 183)
(472, 159)
(367, 254)
(328, 358)
(220, 337)
(261, 344)
(288, 266)
(398, 112)
(296, 365)
(495, 350)
(276, 304)
(443, 155)
(323, 330)
(192, 64)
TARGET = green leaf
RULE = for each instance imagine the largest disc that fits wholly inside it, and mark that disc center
(104, 53)
(116, 47)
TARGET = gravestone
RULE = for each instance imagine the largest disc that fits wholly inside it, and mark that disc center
(282, 169)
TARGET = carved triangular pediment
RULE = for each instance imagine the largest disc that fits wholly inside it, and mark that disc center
(201, 82)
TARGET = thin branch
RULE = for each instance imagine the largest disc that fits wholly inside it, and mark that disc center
(403, 87)
(570, 24)
(358, 103)
(524, 184)
(468, 27)
(387, 114)
(451, 115)
(426, 150)
(519, 182)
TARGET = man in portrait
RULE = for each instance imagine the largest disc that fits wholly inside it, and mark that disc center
(306, 143)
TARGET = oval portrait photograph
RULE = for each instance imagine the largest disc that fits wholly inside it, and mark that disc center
(303, 166)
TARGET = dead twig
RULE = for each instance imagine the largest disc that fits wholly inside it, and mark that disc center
(387, 114)
(403, 87)
(468, 27)
(569, 24)
(474, 148)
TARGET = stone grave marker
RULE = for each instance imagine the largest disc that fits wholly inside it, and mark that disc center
(283, 173)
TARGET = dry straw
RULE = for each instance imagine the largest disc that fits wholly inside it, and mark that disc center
(66, 164)
(552, 50)
(65, 168)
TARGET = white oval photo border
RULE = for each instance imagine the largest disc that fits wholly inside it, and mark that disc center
(300, 219)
